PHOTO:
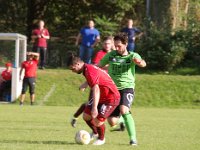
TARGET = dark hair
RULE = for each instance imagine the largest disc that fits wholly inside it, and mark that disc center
(108, 38)
(123, 37)
(72, 59)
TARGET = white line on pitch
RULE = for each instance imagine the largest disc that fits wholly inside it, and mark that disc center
(46, 97)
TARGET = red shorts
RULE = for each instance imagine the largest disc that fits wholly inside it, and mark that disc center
(104, 110)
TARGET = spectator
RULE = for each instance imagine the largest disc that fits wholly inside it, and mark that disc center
(5, 80)
(39, 38)
(30, 68)
(90, 37)
(132, 33)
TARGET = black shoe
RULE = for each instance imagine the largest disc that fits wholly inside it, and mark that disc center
(32, 103)
(73, 122)
(122, 126)
(134, 143)
(21, 103)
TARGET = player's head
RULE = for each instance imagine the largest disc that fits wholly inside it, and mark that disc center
(8, 65)
(30, 56)
(41, 24)
(90, 23)
(130, 23)
(75, 63)
(120, 42)
(108, 43)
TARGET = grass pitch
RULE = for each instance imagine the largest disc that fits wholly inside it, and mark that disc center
(48, 128)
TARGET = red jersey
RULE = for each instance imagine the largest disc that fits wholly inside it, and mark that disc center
(30, 67)
(6, 75)
(99, 55)
(109, 93)
(41, 42)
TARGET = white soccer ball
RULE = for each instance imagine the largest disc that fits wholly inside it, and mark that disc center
(82, 137)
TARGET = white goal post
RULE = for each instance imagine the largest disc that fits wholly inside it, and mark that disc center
(20, 56)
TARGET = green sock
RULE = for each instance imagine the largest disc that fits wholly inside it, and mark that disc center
(130, 125)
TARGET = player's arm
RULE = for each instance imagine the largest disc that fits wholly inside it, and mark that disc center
(78, 39)
(96, 96)
(97, 40)
(83, 86)
(140, 62)
(20, 73)
(46, 36)
(37, 55)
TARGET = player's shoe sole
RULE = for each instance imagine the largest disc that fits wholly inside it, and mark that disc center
(99, 142)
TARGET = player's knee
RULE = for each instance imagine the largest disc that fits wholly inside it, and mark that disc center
(98, 123)
(86, 117)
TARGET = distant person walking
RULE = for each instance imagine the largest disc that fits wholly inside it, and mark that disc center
(39, 38)
(30, 68)
(132, 33)
(89, 36)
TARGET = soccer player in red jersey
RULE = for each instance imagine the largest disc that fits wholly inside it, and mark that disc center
(105, 96)
(107, 47)
(30, 68)
(5, 79)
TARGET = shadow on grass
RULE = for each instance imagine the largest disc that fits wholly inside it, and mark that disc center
(38, 142)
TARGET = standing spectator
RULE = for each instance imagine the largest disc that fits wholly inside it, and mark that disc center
(5, 80)
(107, 47)
(132, 33)
(105, 96)
(30, 68)
(122, 70)
(39, 38)
(90, 37)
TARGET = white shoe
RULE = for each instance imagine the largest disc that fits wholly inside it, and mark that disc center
(93, 136)
(99, 142)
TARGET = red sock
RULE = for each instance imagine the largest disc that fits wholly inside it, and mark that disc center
(101, 131)
(91, 125)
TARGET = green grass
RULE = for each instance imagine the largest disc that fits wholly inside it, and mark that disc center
(48, 128)
(60, 87)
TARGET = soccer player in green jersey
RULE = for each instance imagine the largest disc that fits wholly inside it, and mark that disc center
(122, 70)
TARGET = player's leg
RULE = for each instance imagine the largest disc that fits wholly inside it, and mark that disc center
(77, 114)
(43, 57)
(24, 88)
(104, 111)
(88, 119)
(127, 96)
(80, 111)
(32, 89)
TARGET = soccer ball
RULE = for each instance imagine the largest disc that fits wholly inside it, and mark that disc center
(82, 137)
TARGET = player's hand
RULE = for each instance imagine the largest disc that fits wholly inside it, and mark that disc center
(83, 86)
(73, 122)
(137, 60)
(94, 112)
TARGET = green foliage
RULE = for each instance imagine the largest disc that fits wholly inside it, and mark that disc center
(106, 26)
(162, 50)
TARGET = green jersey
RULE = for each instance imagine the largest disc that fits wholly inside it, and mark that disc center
(121, 68)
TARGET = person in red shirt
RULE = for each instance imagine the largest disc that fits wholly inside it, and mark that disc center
(39, 38)
(5, 80)
(105, 96)
(30, 68)
(107, 47)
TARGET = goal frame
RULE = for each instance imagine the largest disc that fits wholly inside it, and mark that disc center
(16, 84)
